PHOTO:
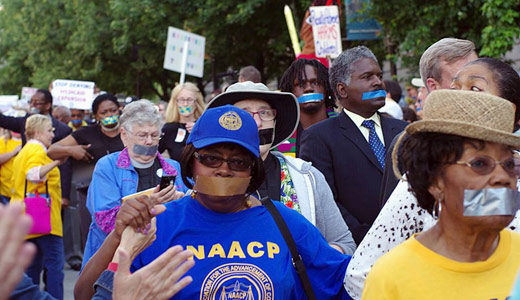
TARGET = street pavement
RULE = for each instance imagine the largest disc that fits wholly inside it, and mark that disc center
(68, 283)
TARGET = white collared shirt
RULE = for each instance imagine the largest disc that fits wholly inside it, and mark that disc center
(358, 120)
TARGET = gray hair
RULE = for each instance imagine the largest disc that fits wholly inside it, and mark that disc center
(65, 109)
(140, 113)
(341, 69)
(249, 73)
(448, 50)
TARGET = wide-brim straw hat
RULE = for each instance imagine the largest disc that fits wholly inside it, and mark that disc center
(469, 114)
(286, 105)
(475, 115)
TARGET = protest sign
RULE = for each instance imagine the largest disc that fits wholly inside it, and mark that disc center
(27, 93)
(173, 56)
(7, 101)
(325, 30)
(73, 93)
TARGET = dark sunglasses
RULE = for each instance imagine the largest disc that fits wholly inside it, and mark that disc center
(484, 165)
(213, 161)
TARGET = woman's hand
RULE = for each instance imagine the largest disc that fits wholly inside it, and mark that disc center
(80, 152)
(137, 213)
(157, 280)
(165, 195)
(134, 242)
(189, 126)
(15, 254)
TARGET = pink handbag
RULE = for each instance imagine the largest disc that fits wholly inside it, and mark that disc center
(39, 208)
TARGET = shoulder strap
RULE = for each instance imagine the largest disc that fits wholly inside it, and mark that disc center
(46, 190)
(296, 258)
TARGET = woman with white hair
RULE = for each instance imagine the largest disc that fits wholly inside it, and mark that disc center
(137, 168)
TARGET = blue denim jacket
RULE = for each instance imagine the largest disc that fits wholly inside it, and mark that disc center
(104, 286)
(26, 289)
(114, 177)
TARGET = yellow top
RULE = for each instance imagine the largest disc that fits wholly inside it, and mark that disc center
(6, 170)
(33, 154)
(412, 271)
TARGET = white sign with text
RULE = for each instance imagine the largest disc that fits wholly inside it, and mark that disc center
(175, 47)
(326, 30)
(73, 93)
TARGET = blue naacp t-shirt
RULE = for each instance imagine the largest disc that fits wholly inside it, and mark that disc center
(244, 256)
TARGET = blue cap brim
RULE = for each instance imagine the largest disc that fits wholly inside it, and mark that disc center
(205, 142)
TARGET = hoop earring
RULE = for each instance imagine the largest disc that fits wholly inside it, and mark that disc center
(437, 209)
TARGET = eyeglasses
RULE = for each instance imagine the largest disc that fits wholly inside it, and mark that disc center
(265, 114)
(484, 165)
(213, 161)
(35, 103)
(143, 136)
(186, 100)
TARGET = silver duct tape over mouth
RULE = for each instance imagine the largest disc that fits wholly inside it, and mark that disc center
(491, 202)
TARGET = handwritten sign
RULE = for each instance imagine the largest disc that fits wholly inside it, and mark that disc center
(325, 30)
(175, 48)
(73, 93)
(27, 93)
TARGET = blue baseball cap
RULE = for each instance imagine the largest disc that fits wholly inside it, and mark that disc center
(225, 124)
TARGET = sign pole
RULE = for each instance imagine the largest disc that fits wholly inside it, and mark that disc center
(183, 62)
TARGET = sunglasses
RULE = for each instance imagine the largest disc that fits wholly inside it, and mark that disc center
(484, 165)
(213, 161)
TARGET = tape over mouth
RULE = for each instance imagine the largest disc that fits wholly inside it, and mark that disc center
(266, 136)
(374, 94)
(221, 186)
(491, 202)
(310, 98)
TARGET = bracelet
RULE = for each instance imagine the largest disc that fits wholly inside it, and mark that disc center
(112, 267)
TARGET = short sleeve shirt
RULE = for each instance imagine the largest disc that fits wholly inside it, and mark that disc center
(101, 144)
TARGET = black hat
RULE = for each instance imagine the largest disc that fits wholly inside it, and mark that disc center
(286, 105)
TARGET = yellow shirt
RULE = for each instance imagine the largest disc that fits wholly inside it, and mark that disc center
(32, 155)
(6, 170)
(412, 271)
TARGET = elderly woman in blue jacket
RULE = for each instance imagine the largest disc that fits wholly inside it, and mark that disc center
(137, 168)
(292, 181)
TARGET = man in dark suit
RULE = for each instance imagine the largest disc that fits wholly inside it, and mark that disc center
(349, 150)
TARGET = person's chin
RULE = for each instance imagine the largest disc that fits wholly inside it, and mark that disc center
(144, 159)
(311, 107)
(497, 223)
(377, 102)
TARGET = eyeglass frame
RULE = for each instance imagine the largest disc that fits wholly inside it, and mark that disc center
(185, 100)
(221, 161)
(145, 137)
(253, 113)
(495, 163)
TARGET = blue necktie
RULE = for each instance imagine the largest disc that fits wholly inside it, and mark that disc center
(375, 143)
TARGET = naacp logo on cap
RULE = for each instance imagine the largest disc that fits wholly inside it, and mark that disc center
(230, 121)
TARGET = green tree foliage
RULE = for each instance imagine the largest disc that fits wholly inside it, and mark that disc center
(414, 25)
(120, 44)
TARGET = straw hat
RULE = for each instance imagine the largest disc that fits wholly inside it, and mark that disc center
(469, 114)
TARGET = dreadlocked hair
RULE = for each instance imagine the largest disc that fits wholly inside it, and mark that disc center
(297, 71)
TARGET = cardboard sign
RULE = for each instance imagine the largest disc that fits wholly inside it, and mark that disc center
(175, 48)
(325, 30)
(73, 93)
(27, 93)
